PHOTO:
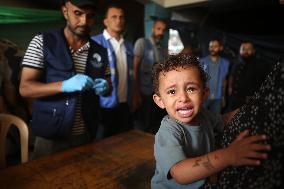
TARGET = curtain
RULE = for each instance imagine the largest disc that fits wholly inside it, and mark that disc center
(12, 15)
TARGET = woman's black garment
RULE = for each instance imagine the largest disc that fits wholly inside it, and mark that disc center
(263, 114)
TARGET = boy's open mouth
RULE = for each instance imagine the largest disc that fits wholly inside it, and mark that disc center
(185, 112)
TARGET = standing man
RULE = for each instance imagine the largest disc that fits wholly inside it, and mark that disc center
(246, 76)
(148, 51)
(217, 67)
(115, 108)
(63, 71)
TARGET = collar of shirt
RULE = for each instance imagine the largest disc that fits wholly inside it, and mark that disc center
(155, 43)
(109, 37)
(85, 47)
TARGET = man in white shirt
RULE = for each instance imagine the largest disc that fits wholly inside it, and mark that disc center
(115, 108)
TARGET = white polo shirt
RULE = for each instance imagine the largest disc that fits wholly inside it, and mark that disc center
(121, 65)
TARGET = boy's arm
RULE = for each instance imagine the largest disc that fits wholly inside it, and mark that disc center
(240, 152)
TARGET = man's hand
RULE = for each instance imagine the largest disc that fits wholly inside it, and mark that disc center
(77, 83)
(136, 100)
(100, 86)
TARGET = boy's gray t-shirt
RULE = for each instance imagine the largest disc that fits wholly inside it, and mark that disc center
(176, 141)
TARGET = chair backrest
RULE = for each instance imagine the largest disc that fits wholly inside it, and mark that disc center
(6, 121)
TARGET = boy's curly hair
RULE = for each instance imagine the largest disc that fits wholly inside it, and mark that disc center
(173, 63)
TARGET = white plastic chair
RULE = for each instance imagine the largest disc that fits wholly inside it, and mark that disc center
(6, 121)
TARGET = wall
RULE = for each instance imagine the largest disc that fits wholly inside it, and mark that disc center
(21, 34)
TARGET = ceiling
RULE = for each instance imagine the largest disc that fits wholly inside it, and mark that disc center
(224, 14)
(250, 16)
(176, 5)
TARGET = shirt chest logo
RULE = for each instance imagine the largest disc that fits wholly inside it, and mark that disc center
(96, 60)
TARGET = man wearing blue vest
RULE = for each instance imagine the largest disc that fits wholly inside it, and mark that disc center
(115, 108)
(65, 72)
(148, 51)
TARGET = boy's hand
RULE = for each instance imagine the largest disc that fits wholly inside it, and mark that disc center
(246, 150)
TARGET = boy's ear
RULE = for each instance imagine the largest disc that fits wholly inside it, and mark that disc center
(157, 99)
(206, 94)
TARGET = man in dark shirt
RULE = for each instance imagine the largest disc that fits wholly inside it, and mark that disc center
(65, 72)
(246, 76)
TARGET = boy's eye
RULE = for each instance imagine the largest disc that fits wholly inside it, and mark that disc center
(171, 91)
(191, 89)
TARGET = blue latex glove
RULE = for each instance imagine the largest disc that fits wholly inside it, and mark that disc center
(78, 82)
(100, 86)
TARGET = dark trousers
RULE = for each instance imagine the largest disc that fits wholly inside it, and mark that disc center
(43, 146)
(149, 116)
(116, 120)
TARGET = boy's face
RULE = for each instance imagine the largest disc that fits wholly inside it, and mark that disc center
(181, 93)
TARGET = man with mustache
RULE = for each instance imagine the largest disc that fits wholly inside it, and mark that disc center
(217, 67)
(65, 72)
(148, 51)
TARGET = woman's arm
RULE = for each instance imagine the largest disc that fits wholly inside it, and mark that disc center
(227, 117)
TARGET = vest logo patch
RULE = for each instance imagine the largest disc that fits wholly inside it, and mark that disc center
(112, 71)
(96, 60)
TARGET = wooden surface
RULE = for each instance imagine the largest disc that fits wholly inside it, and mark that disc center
(119, 162)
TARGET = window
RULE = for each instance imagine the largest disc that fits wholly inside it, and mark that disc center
(175, 44)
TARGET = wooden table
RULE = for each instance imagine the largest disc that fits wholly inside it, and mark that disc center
(118, 162)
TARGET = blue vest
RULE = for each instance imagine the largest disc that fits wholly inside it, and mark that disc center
(53, 116)
(145, 71)
(112, 100)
